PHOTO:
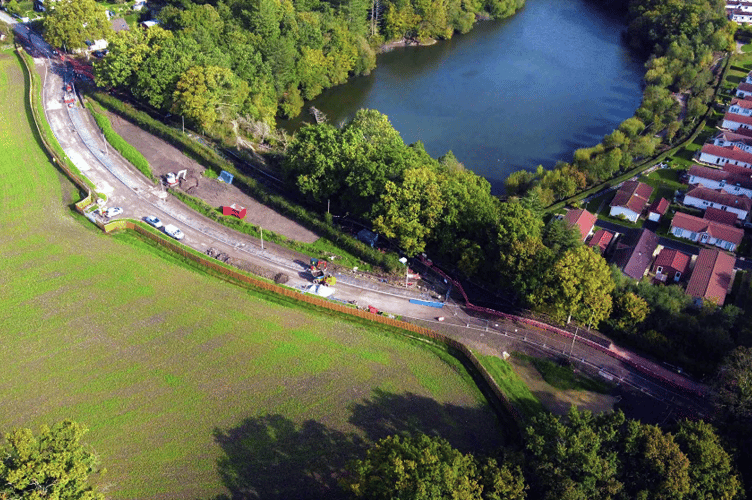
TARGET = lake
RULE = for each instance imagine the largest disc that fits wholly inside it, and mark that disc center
(507, 96)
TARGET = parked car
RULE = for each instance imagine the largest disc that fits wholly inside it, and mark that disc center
(113, 212)
(153, 221)
(174, 231)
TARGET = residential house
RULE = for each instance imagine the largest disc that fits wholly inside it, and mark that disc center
(634, 252)
(711, 277)
(740, 107)
(744, 89)
(740, 140)
(718, 215)
(630, 200)
(602, 239)
(730, 182)
(702, 197)
(706, 231)
(734, 121)
(657, 209)
(583, 219)
(739, 12)
(719, 155)
(671, 265)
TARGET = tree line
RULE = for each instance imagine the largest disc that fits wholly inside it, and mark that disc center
(679, 38)
(582, 456)
(224, 64)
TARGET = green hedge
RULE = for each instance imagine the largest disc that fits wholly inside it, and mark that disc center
(209, 158)
(129, 152)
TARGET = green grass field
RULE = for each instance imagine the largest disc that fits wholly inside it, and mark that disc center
(192, 387)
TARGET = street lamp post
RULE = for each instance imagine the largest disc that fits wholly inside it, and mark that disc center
(571, 349)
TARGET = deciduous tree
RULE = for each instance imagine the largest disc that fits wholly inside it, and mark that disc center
(53, 464)
(72, 22)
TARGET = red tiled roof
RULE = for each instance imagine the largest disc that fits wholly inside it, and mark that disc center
(632, 195)
(730, 152)
(674, 259)
(745, 87)
(583, 219)
(743, 178)
(737, 169)
(742, 103)
(601, 238)
(717, 215)
(737, 118)
(635, 252)
(715, 229)
(659, 206)
(721, 197)
(711, 276)
(736, 136)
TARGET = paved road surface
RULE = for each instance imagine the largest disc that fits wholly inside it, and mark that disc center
(127, 188)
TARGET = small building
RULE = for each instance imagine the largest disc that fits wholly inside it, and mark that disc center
(602, 239)
(740, 107)
(706, 231)
(702, 197)
(657, 209)
(150, 23)
(671, 265)
(630, 200)
(713, 178)
(634, 252)
(581, 218)
(718, 155)
(711, 277)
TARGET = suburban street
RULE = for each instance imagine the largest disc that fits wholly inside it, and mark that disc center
(125, 187)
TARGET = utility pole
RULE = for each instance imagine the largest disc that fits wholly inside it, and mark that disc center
(571, 349)
(183, 119)
(262, 237)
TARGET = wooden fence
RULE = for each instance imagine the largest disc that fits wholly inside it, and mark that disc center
(497, 399)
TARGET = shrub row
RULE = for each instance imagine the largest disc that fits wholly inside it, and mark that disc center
(247, 184)
(128, 152)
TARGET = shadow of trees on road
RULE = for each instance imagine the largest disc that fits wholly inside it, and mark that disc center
(272, 457)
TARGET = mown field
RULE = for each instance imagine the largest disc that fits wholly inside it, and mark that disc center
(192, 388)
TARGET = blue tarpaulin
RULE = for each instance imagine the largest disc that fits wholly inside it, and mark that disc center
(226, 177)
(368, 237)
(437, 305)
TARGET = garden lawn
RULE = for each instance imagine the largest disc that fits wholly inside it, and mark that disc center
(193, 387)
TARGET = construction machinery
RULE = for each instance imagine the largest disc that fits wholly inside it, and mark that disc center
(318, 267)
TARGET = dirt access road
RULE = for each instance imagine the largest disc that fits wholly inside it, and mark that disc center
(127, 188)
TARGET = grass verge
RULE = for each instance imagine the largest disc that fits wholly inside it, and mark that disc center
(512, 385)
(563, 376)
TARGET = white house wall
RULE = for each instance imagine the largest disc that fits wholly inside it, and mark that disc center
(691, 201)
(630, 215)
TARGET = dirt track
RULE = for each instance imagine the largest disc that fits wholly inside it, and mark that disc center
(164, 158)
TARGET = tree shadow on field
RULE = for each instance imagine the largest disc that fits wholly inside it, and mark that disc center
(469, 429)
(272, 457)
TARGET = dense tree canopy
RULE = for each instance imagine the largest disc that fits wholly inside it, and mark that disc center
(70, 23)
(53, 464)
(425, 468)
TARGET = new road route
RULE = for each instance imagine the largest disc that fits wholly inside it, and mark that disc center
(125, 187)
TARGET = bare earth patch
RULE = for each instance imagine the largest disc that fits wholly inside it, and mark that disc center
(164, 158)
(555, 400)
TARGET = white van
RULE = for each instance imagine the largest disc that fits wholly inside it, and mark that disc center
(174, 231)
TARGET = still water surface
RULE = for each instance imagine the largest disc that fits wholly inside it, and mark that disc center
(509, 95)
